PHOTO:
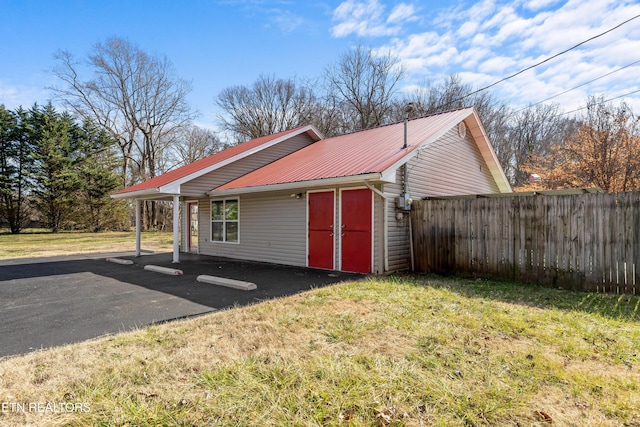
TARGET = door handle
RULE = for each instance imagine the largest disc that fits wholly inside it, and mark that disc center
(342, 235)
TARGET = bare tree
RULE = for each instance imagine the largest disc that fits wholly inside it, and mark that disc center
(194, 143)
(364, 85)
(135, 97)
(329, 117)
(270, 105)
(531, 135)
(452, 93)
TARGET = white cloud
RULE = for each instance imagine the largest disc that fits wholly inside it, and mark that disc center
(14, 96)
(471, 58)
(539, 4)
(402, 12)
(482, 10)
(496, 65)
(285, 20)
(485, 41)
(467, 29)
(357, 17)
(366, 19)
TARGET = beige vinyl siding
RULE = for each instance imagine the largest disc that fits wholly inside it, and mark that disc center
(207, 182)
(273, 226)
(450, 166)
(398, 229)
(378, 233)
(272, 229)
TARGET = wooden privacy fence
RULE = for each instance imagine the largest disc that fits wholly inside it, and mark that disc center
(578, 241)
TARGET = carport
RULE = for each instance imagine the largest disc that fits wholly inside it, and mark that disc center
(143, 195)
(194, 181)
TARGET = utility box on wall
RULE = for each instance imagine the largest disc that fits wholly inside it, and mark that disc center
(404, 201)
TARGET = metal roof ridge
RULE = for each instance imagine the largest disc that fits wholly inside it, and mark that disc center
(401, 121)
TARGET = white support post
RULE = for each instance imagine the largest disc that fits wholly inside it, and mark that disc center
(138, 226)
(176, 228)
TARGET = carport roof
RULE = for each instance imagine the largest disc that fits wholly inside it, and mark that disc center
(169, 182)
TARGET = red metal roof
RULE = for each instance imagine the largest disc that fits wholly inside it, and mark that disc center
(203, 164)
(359, 153)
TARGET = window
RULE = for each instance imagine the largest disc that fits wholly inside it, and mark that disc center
(225, 220)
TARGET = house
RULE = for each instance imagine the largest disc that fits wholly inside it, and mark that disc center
(338, 203)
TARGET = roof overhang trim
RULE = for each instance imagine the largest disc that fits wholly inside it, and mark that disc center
(488, 153)
(310, 129)
(140, 194)
(287, 186)
(173, 187)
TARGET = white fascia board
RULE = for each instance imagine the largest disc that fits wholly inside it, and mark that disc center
(140, 194)
(149, 194)
(170, 188)
(389, 176)
(315, 132)
(328, 182)
(497, 171)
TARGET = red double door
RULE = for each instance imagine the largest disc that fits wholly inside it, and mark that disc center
(354, 230)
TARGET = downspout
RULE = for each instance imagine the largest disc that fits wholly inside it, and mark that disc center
(405, 183)
(385, 222)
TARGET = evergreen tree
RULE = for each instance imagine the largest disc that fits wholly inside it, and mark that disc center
(99, 179)
(15, 163)
(55, 138)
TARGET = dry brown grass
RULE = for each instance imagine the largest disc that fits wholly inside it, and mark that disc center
(381, 352)
(44, 244)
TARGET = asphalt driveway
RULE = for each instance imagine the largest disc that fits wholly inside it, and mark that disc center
(48, 302)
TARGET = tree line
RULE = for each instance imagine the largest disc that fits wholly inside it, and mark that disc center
(56, 171)
(130, 119)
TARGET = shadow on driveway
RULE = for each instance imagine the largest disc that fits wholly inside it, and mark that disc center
(53, 301)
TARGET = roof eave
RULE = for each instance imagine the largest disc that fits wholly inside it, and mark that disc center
(288, 186)
(139, 194)
(169, 189)
(312, 130)
(489, 154)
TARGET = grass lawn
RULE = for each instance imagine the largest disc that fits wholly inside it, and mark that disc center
(395, 351)
(38, 243)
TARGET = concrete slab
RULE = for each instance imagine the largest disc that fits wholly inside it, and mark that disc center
(164, 270)
(119, 261)
(230, 283)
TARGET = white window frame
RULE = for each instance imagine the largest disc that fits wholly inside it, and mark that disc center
(224, 221)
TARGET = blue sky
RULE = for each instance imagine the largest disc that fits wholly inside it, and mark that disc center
(220, 43)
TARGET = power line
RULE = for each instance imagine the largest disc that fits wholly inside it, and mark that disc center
(606, 100)
(579, 86)
(543, 61)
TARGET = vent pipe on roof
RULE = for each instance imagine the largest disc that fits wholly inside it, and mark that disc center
(407, 110)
